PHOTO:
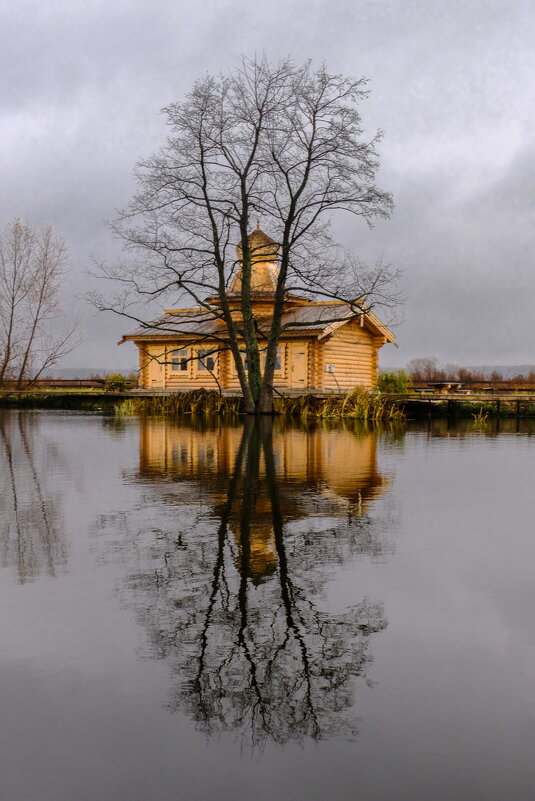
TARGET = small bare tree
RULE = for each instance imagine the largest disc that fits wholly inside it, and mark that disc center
(281, 143)
(32, 268)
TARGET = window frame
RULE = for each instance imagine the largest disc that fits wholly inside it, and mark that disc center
(206, 354)
(181, 361)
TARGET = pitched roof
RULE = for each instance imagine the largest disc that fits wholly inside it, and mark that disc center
(323, 318)
(258, 240)
(171, 324)
(310, 316)
(327, 317)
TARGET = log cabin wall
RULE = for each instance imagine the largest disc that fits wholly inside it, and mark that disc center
(176, 366)
(311, 366)
(230, 376)
(352, 349)
(186, 369)
(316, 363)
(171, 366)
(353, 352)
(143, 365)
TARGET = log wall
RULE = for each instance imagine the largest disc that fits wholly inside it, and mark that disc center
(352, 350)
(156, 369)
(354, 353)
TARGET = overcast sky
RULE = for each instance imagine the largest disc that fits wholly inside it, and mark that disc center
(452, 86)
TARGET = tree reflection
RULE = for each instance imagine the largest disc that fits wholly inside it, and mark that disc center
(240, 611)
(31, 537)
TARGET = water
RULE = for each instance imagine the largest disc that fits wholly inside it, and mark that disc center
(236, 612)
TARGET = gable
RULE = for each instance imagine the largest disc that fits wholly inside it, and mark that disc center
(326, 318)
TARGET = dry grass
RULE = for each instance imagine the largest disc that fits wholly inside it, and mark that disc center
(198, 402)
(358, 404)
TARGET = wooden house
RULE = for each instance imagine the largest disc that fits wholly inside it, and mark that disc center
(328, 345)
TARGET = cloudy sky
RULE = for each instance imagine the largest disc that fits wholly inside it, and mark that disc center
(452, 86)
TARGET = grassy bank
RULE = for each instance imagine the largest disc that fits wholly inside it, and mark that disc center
(506, 409)
(58, 399)
(465, 410)
(197, 402)
(358, 405)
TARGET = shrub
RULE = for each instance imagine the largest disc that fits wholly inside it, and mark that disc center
(115, 383)
(396, 382)
(132, 379)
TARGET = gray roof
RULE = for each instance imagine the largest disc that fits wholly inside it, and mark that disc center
(170, 324)
(322, 317)
(327, 317)
(317, 316)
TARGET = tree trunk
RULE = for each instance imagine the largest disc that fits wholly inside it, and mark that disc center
(265, 404)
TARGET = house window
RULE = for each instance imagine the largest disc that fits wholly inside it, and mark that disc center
(278, 360)
(179, 361)
(206, 360)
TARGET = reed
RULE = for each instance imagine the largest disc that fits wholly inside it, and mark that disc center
(480, 418)
(358, 404)
(195, 403)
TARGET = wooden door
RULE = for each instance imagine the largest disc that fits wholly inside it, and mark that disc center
(298, 365)
(157, 371)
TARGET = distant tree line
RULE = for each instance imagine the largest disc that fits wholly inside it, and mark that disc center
(425, 369)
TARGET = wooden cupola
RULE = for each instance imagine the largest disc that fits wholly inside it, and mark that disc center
(264, 268)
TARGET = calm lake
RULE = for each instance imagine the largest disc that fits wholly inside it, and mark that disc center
(212, 611)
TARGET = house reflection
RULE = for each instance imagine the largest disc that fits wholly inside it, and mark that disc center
(237, 532)
(345, 460)
(319, 471)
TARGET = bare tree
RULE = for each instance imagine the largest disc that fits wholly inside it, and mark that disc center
(424, 368)
(32, 268)
(281, 143)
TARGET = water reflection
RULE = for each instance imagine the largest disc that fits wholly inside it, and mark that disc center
(477, 425)
(31, 531)
(235, 542)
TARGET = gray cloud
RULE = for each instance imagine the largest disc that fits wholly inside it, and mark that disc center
(451, 85)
